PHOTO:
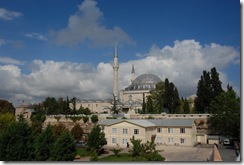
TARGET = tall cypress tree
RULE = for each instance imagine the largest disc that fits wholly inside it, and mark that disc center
(215, 83)
(149, 105)
(209, 86)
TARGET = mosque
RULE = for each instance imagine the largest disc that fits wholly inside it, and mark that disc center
(129, 99)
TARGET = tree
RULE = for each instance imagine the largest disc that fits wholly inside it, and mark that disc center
(58, 129)
(149, 105)
(225, 119)
(6, 107)
(96, 139)
(114, 102)
(186, 107)
(94, 156)
(85, 119)
(171, 97)
(17, 142)
(146, 150)
(6, 120)
(64, 148)
(44, 144)
(136, 149)
(157, 98)
(116, 151)
(94, 118)
(209, 86)
(77, 132)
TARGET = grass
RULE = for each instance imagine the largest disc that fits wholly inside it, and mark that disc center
(123, 157)
(82, 152)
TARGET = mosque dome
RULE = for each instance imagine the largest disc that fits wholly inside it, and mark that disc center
(144, 82)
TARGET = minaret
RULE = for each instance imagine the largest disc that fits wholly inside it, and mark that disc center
(116, 68)
(133, 74)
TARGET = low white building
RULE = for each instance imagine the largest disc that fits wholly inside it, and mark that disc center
(163, 131)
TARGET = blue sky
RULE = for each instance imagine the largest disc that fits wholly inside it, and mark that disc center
(59, 47)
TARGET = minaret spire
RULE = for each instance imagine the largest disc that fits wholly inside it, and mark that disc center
(116, 68)
(132, 73)
(116, 50)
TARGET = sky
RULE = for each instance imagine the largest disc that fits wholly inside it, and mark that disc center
(62, 48)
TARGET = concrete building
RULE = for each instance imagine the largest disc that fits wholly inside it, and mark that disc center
(165, 131)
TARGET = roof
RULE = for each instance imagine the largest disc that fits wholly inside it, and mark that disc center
(144, 82)
(151, 122)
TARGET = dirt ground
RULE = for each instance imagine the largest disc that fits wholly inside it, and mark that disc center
(175, 153)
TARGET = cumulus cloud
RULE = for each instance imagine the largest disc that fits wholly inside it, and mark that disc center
(37, 36)
(9, 15)
(8, 60)
(182, 64)
(86, 26)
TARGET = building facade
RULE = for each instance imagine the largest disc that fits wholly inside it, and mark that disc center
(167, 131)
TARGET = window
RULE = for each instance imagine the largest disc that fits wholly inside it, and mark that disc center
(125, 131)
(159, 140)
(125, 141)
(114, 140)
(182, 140)
(114, 130)
(159, 130)
(171, 140)
(182, 130)
(170, 130)
(136, 131)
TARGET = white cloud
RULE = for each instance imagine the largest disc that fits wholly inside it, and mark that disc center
(9, 15)
(37, 36)
(182, 64)
(86, 26)
(8, 60)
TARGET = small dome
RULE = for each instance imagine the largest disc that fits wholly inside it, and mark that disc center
(144, 82)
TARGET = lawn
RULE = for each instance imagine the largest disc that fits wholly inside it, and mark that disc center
(123, 157)
(82, 152)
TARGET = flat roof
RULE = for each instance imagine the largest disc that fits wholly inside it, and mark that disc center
(151, 122)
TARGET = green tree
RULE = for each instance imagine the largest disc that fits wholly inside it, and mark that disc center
(171, 97)
(73, 101)
(114, 102)
(186, 107)
(149, 105)
(77, 132)
(6, 107)
(116, 151)
(209, 86)
(44, 144)
(94, 118)
(58, 130)
(225, 119)
(85, 111)
(96, 139)
(64, 148)
(146, 150)
(157, 98)
(94, 156)
(6, 120)
(85, 119)
(51, 106)
(136, 148)
(17, 143)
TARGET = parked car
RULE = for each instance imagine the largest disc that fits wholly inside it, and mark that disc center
(226, 142)
(81, 144)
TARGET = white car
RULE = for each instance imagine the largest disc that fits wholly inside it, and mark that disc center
(226, 142)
